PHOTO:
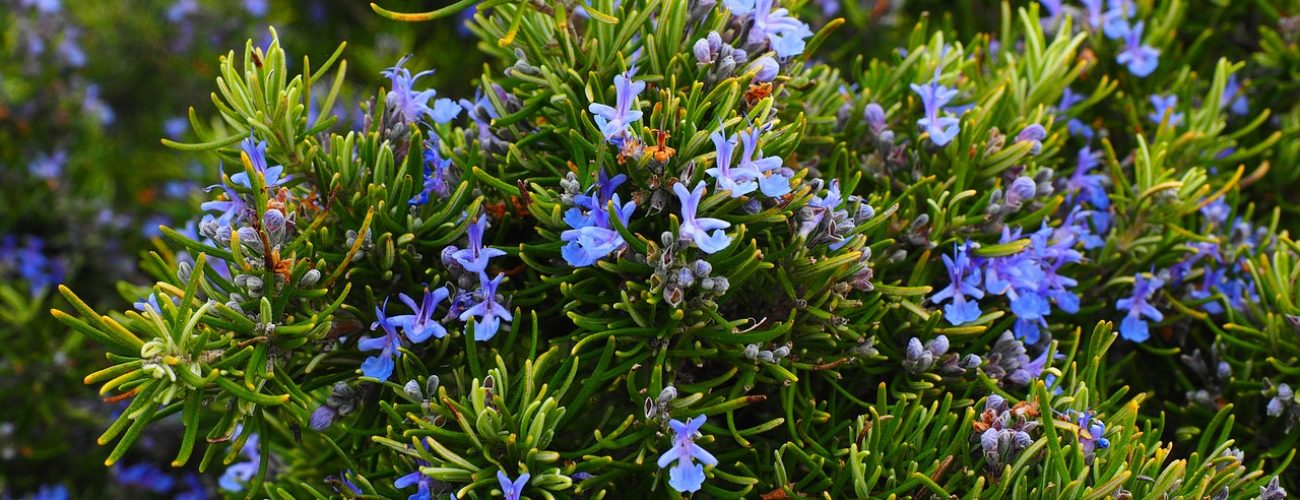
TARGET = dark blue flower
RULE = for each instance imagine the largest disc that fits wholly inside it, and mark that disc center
(435, 174)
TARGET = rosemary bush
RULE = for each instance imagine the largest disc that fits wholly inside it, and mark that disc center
(720, 249)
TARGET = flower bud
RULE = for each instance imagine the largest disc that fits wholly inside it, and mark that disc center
(309, 278)
(1022, 189)
(412, 390)
(702, 53)
(702, 268)
(323, 417)
(767, 69)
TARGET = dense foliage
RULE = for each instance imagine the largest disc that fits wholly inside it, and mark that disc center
(651, 248)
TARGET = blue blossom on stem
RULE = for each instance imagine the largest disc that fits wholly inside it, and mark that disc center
(488, 312)
(767, 69)
(696, 229)
(614, 121)
(686, 476)
(240, 473)
(766, 169)
(512, 489)
(1165, 105)
(785, 33)
(48, 167)
(424, 484)
(1140, 59)
(435, 174)
(1092, 435)
(738, 181)
(254, 153)
(409, 104)
(1137, 306)
(1093, 14)
(144, 476)
(593, 236)
(380, 366)
(1115, 20)
(963, 285)
(942, 129)
(421, 325)
(1088, 186)
(475, 258)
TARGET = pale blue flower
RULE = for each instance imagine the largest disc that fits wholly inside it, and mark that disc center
(488, 313)
(696, 229)
(686, 475)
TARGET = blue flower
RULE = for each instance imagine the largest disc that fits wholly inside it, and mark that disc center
(614, 121)
(488, 311)
(403, 99)
(593, 236)
(942, 129)
(48, 167)
(1234, 98)
(1140, 59)
(435, 174)
(1136, 307)
(421, 325)
(963, 281)
(1092, 435)
(144, 476)
(785, 34)
(475, 258)
(1093, 15)
(1216, 212)
(254, 153)
(696, 229)
(512, 489)
(256, 8)
(39, 270)
(767, 68)
(445, 110)
(240, 473)
(51, 492)
(735, 180)
(686, 476)
(1165, 105)
(44, 7)
(380, 366)
(1115, 20)
(1075, 125)
(767, 169)
(1088, 186)
(423, 483)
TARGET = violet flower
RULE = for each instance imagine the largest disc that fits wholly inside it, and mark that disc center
(488, 312)
(614, 121)
(475, 258)
(1140, 59)
(380, 366)
(963, 281)
(942, 129)
(421, 325)
(512, 489)
(686, 476)
(696, 229)
(1137, 306)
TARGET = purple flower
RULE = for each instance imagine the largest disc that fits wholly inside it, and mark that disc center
(1216, 212)
(614, 121)
(1140, 59)
(875, 117)
(942, 129)
(784, 32)
(1234, 97)
(421, 325)
(403, 99)
(475, 258)
(1090, 187)
(1165, 105)
(686, 476)
(767, 69)
(48, 167)
(254, 153)
(424, 484)
(235, 476)
(96, 107)
(735, 180)
(435, 174)
(380, 366)
(772, 182)
(1034, 133)
(1136, 306)
(1092, 435)
(593, 236)
(696, 229)
(488, 312)
(1115, 20)
(512, 489)
(963, 281)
